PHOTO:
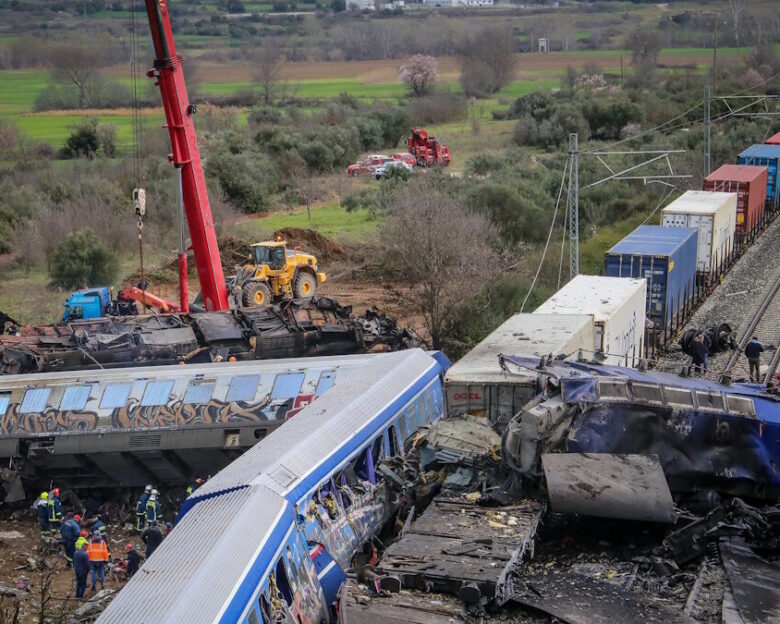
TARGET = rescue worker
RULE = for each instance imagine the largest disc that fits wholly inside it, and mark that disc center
(699, 354)
(194, 486)
(140, 509)
(153, 508)
(97, 525)
(168, 529)
(98, 557)
(81, 540)
(55, 512)
(753, 352)
(42, 509)
(133, 559)
(70, 530)
(152, 537)
(81, 568)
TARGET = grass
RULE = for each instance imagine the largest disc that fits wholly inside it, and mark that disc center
(28, 298)
(330, 220)
(592, 249)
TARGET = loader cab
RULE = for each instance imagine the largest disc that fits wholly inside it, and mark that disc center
(89, 303)
(272, 253)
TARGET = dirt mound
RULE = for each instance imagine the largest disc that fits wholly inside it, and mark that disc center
(320, 245)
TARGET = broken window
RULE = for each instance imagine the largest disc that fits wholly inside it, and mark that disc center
(327, 379)
(35, 400)
(199, 393)
(5, 399)
(157, 393)
(75, 398)
(403, 426)
(438, 401)
(646, 392)
(287, 386)
(740, 405)
(709, 400)
(243, 388)
(613, 390)
(392, 441)
(680, 396)
(265, 608)
(115, 395)
(364, 465)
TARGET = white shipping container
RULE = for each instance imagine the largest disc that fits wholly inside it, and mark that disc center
(714, 215)
(477, 385)
(617, 305)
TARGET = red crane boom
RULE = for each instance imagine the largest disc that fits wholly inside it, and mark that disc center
(185, 155)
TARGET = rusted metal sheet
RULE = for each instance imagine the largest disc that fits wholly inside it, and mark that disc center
(755, 583)
(461, 548)
(578, 599)
(626, 487)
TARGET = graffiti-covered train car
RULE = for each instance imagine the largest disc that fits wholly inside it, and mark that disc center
(160, 425)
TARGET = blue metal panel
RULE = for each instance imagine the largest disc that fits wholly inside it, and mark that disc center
(666, 258)
(766, 156)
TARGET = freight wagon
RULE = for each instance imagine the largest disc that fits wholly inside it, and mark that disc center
(773, 140)
(618, 309)
(766, 155)
(666, 259)
(749, 183)
(478, 384)
(714, 216)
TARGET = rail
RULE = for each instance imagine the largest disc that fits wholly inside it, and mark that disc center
(768, 299)
(772, 366)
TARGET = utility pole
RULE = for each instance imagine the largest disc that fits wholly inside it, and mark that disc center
(574, 206)
(715, 58)
(707, 131)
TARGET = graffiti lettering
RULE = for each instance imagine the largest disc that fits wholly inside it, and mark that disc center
(50, 421)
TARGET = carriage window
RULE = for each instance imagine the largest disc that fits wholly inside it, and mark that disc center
(5, 399)
(376, 450)
(402, 426)
(35, 400)
(392, 436)
(423, 411)
(287, 386)
(327, 379)
(157, 393)
(115, 395)
(710, 400)
(243, 388)
(741, 405)
(613, 389)
(680, 396)
(646, 392)
(75, 397)
(265, 608)
(282, 582)
(199, 393)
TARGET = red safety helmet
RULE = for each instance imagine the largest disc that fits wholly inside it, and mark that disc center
(129, 547)
(83, 533)
(77, 518)
(55, 492)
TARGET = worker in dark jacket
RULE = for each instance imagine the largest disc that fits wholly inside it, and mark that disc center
(140, 509)
(70, 531)
(133, 558)
(42, 509)
(194, 486)
(753, 352)
(97, 525)
(55, 512)
(699, 354)
(152, 537)
(81, 568)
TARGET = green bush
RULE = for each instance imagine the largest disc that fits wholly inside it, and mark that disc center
(82, 260)
(248, 180)
(83, 140)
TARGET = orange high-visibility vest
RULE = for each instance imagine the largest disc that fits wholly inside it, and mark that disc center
(97, 550)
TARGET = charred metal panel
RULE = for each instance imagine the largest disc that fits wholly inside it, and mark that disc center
(626, 487)
(216, 327)
(755, 583)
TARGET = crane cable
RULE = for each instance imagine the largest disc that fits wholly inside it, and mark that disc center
(139, 192)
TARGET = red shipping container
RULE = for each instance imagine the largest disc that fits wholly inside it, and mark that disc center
(749, 183)
(774, 139)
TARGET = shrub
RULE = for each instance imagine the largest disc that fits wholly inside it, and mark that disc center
(440, 107)
(420, 73)
(82, 260)
(83, 140)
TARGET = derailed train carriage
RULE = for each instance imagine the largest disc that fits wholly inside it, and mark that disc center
(270, 538)
(161, 425)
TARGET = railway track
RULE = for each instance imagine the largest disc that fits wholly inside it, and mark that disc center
(765, 325)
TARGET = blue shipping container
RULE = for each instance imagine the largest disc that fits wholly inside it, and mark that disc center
(666, 258)
(765, 156)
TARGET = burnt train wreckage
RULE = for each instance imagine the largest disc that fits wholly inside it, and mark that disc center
(296, 328)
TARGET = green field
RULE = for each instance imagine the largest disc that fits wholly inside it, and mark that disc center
(330, 220)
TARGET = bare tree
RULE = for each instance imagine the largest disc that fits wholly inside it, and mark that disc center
(645, 47)
(307, 187)
(269, 62)
(74, 63)
(487, 60)
(441, 249)
(737, 9)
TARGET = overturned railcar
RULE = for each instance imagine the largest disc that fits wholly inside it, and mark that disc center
(706, 436)
(161, 424)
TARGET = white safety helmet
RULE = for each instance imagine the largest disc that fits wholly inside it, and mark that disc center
(148, 488)
(155, 493)
(153, 497)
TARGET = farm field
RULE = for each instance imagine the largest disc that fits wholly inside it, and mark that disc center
(315, 82)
